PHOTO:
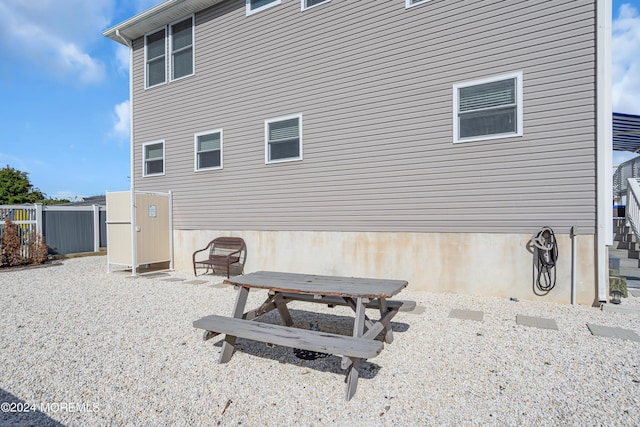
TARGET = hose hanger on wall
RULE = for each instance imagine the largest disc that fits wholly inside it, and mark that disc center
(545, 255)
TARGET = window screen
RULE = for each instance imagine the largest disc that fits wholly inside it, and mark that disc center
(154, 159)
(156, 52)
(182, 49)
(488, 109)
(209, 151)
(283, 139)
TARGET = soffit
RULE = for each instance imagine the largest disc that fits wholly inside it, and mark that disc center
(156, 17)
(626, 132)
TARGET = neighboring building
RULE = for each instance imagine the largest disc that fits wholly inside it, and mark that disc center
(425, 140)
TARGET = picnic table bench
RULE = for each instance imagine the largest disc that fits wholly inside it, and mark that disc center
(305, 339)
(357, 293)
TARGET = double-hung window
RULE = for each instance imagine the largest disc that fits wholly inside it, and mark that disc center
(306, 4)
(410, 3)
(283, 139)
(153, 158)
(253, 6)
(155, 58)
(208, 150)
(488, 108)
(181, 48)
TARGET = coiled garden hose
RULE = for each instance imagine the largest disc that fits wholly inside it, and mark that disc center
(545, 256)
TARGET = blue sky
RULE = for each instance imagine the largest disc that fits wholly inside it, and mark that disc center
(65, 89)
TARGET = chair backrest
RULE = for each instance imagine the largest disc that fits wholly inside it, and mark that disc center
(227, 245)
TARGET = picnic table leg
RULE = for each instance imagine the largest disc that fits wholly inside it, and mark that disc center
(238, 311)
(386, 321)
(358, 328)
(352, 378)
(281, 305)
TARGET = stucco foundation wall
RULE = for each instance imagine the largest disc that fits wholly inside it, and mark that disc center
(498, 265)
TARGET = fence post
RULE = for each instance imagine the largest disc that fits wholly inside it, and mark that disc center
(39, 226)
(96, 228)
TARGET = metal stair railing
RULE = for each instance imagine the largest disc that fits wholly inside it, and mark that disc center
(632, 212)
(626, 170)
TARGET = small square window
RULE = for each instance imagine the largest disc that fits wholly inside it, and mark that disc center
(153, 158)
(155, 58)
(411, 3)
(253, 6)
(488, 108)
(283, 139)
(208, 150)
(306, 4)
(182, 49)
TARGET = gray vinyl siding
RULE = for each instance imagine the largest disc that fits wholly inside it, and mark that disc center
(373, 82)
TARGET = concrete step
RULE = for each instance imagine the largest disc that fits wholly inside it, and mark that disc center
(626, 245)
(624, 253)
(628, 264)
(621, 309)
(622, 230)
(633, 285)
(623, 236)
(624, 258)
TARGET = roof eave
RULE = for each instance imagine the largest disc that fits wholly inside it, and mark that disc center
(155, 17)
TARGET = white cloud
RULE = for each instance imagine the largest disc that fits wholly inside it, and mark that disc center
(123, 58)
(122, 123)
(67, 194)
(56, 34)
(13, 161)
(626, 60)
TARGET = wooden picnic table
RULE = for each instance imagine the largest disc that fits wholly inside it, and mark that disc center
(357, 293)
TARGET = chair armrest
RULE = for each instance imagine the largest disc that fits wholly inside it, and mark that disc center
(201, 250)
(238, 252)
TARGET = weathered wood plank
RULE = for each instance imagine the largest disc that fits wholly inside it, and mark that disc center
(400, 305)
(281, 305)
(292, 337)
(319, 285)
(352, 378)
(230, 340)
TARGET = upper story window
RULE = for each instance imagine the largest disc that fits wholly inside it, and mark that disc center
(181, 48)
(155, 58)
(283, 139)
(410, 3)
(254, 6)
(208, 150)
(306, 4)
(488, 108)
(153, 158)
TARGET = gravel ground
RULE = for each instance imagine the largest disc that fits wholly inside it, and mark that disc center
(82, 347)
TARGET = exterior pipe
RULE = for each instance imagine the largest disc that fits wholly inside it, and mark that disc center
(134, 238)
(572, 235)
(170, 230)
(604, 150)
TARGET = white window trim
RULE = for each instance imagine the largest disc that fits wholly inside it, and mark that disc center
(144, 158)
(266, 138)
(146, 77)
(303, 7)
(195, 150)
(519, 116)
(169, 33)
(248, 10)
(408, 4)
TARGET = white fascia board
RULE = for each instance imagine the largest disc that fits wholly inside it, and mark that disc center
(156, 17)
